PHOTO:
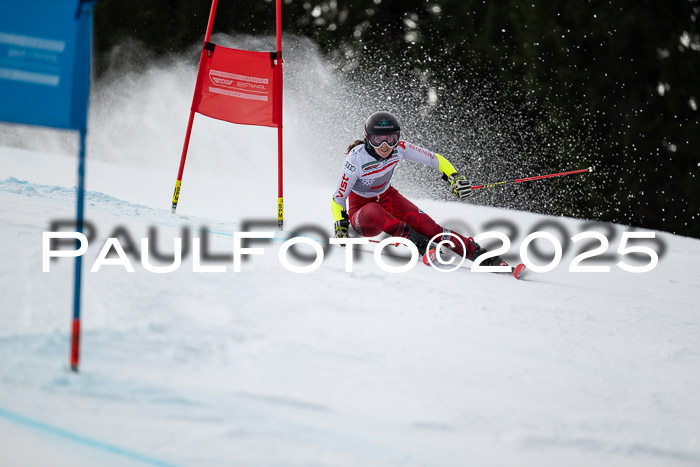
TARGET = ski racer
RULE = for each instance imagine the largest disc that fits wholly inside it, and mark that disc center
(374, 206)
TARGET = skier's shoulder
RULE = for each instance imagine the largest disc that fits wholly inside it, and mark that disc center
(357, 156)
(358, 151)
(406, 146)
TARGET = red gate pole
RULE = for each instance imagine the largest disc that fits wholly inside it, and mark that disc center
(278, 104)
(207, 37)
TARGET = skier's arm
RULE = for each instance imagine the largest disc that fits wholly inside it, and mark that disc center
(338, 211)
(342, 190)
(459, 185)
(423, 156)
(444, 166)
(347, 180)
(341, 220)
(461, 188)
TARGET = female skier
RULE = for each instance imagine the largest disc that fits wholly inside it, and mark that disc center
(375, 206)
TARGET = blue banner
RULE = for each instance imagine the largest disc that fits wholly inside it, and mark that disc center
(45, 50)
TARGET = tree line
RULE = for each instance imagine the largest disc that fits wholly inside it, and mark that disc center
(617, 82)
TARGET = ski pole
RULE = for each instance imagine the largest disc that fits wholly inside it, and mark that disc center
(371, 240)
(537, 177)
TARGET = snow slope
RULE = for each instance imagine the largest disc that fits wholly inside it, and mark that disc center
(266, 367)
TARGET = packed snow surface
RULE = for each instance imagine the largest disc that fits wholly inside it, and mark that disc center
(274, 368)
(267, 367)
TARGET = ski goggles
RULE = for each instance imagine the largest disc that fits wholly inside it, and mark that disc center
(391, 140)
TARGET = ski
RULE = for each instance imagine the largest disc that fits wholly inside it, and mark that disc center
(519, 271)
(431, 256)
(516, 271)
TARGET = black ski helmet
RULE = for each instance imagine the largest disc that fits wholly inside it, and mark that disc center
(381, 123)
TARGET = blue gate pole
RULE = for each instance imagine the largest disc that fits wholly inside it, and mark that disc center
(75, 338)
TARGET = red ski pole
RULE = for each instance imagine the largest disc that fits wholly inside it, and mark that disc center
(537, 177)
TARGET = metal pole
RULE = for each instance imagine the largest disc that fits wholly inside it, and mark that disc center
(537, 177)
(75, 336)
(278, 103)
(207, 37)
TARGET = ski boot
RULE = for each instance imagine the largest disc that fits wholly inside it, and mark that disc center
(476, 250)
(421, 241)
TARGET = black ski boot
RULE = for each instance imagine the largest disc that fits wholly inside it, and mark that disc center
(476, 250)
(419, 240)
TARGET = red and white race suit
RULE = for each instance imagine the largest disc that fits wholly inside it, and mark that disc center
(375, 206)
